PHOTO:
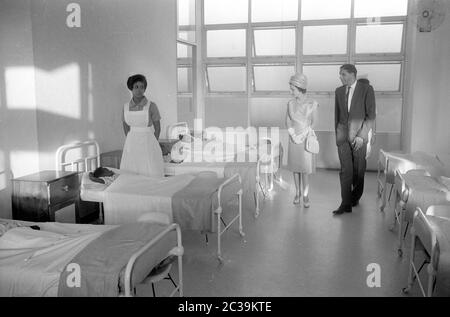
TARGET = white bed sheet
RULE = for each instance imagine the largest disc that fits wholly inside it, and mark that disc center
(25, 255)
(131, 195)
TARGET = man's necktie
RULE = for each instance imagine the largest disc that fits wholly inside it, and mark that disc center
(346, 98)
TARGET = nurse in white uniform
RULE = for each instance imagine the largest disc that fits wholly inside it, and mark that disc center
(141, 121)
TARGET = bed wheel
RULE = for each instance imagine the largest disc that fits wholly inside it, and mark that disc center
(220, 258)
(400, 252)
(242, 233)
(405, 290)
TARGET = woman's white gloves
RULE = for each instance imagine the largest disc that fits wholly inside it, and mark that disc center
(297, 138)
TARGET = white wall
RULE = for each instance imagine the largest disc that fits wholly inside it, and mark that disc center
(82, 72)
(60, 84)
(428, 97)
(18, 129)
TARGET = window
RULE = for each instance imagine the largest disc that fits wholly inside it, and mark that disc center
(226, 43)
(380, 8)
(273, 78)
(326, 9)
(274, 10)
(322, 77)
(227, 78)
(186, 20)
(383, 77)
(184, 79)
(278, 37)
(225, 11)
(274, 42)
(317, 39)
(379, 38)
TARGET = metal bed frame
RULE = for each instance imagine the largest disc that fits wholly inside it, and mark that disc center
(401, 198)
(61, 164)
(426, 238)
(384, 177)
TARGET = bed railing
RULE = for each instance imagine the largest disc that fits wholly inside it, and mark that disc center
(177, 251)
(61, 164)
(219, 211)
(422, 232)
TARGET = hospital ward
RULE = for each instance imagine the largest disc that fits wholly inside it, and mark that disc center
(225, 148)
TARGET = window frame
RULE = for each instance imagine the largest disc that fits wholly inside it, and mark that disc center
(250, 61)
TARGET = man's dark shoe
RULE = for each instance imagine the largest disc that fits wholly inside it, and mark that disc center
(342, 209)
(355, 203)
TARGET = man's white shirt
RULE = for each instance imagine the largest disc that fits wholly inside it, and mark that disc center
(350, 95)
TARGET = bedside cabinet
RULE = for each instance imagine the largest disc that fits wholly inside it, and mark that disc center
(39, 196)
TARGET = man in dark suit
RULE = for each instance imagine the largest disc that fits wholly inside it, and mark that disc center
(354, 117)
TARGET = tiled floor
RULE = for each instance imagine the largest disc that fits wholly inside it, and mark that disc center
(292, 251)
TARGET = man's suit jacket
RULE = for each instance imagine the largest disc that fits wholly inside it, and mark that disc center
(361, 117)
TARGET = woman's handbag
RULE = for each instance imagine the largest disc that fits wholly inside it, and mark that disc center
(312, 144)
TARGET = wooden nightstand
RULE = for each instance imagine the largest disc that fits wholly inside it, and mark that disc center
(37, 197)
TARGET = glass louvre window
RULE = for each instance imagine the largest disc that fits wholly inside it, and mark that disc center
(379, 38)
(322, 77)
(184, 79)
(273, 77)
(227, 78)
(186, 20)
(225, 11)
(383, 77)
(325, 9)
(274, 42)
(380, 8)
(274, 10)
(226, 43)
(317, 39)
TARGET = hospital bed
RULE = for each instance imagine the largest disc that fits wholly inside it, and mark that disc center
(417, 188)
(430, 234)
(260, 167)
(131, 195)
(111, 260)
(389, 162)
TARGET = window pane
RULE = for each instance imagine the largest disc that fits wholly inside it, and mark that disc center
(227, 78)
(380, 8)
(322, 77)
(274, 42)
(184, 51)
(226, 11)
(184, 79)
(274, 10)
(317, 39)
(325, 9)
(383, 77)
(226, 43)
(379, 38)
(185, 110)
(186, 20)
(273, 78)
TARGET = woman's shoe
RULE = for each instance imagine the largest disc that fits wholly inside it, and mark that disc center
(297, 200)
(306, 201)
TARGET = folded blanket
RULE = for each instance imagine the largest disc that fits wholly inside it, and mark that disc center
(247, 171)
(102, 261)
(193, 205)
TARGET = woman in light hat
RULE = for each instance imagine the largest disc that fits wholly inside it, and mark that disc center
(301, 116)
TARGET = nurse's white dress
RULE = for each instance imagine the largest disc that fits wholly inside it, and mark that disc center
(141, 153)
